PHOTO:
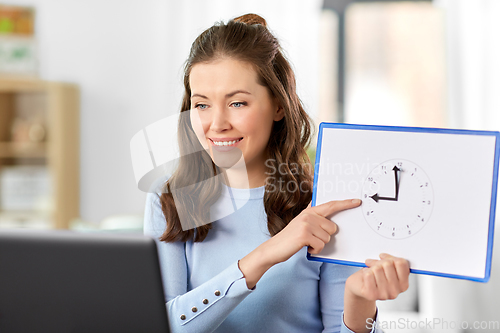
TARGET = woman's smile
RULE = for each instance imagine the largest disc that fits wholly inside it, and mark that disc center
(224, 145)
(225, 141)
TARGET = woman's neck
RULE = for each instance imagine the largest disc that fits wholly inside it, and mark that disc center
(243, 177)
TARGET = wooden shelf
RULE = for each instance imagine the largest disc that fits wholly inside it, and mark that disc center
(23, 150)
(55, 106)
(16, 85)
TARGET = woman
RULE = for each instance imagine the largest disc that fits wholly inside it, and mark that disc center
(247, 271)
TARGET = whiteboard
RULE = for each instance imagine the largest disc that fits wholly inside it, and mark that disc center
(428, 195)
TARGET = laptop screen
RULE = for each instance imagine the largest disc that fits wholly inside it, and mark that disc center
(62, 281)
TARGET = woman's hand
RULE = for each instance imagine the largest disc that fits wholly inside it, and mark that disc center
(383, 279)
(310, 228)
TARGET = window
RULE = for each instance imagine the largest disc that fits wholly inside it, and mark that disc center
(393, 71)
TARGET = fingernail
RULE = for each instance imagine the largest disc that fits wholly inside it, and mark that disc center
(356, 201)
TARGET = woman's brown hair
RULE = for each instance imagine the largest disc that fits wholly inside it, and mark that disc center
(245, 38)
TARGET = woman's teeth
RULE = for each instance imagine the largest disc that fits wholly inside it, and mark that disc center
(225, 143)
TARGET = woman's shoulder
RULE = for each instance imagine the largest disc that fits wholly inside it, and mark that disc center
(153, 197)
(154, 220)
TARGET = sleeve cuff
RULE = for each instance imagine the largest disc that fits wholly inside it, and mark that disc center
(372, 325)
(229, 285)
(239, 285)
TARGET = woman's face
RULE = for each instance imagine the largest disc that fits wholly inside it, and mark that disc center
(234, 110)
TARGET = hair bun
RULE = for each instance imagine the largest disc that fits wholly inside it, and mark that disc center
(251, 19)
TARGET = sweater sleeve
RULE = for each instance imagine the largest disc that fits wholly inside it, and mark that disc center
(331, 289)
(204, 308)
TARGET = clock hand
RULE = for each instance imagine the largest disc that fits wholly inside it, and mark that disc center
(396, 178)
(376, 197)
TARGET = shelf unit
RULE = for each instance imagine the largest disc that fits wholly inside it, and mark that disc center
(55, 107)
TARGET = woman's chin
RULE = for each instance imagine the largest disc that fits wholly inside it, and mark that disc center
(226, 157)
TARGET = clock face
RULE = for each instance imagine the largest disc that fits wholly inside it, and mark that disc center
(397, 199)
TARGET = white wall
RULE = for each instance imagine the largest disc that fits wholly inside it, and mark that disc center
(126, 56)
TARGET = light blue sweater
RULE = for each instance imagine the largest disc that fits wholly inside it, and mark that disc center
(205, 291)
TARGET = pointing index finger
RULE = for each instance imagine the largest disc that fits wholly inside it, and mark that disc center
(331, 207)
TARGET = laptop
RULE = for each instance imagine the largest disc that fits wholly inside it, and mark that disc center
(63, 281)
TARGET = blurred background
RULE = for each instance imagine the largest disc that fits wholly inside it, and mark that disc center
(79, 78)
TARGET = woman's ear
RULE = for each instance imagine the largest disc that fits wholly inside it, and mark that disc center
(279, 114)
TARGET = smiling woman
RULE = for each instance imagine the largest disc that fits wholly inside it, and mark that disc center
(247, 270)
(237, 85)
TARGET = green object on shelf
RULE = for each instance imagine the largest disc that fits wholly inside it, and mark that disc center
(6, 25)
(20, 53)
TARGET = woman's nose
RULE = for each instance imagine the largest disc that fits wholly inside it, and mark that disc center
(219, 120)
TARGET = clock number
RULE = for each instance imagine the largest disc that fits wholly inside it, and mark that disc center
(378, 228)
(409, 232)
(426, 184)
(400, 164)
(428, 202)
(393, 234)
(366, 196)
(367, 213)
(370, 179)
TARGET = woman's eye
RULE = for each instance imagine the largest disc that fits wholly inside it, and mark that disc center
(239, 104)
(201, 106)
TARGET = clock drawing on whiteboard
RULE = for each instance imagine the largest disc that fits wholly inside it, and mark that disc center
(397, 199)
